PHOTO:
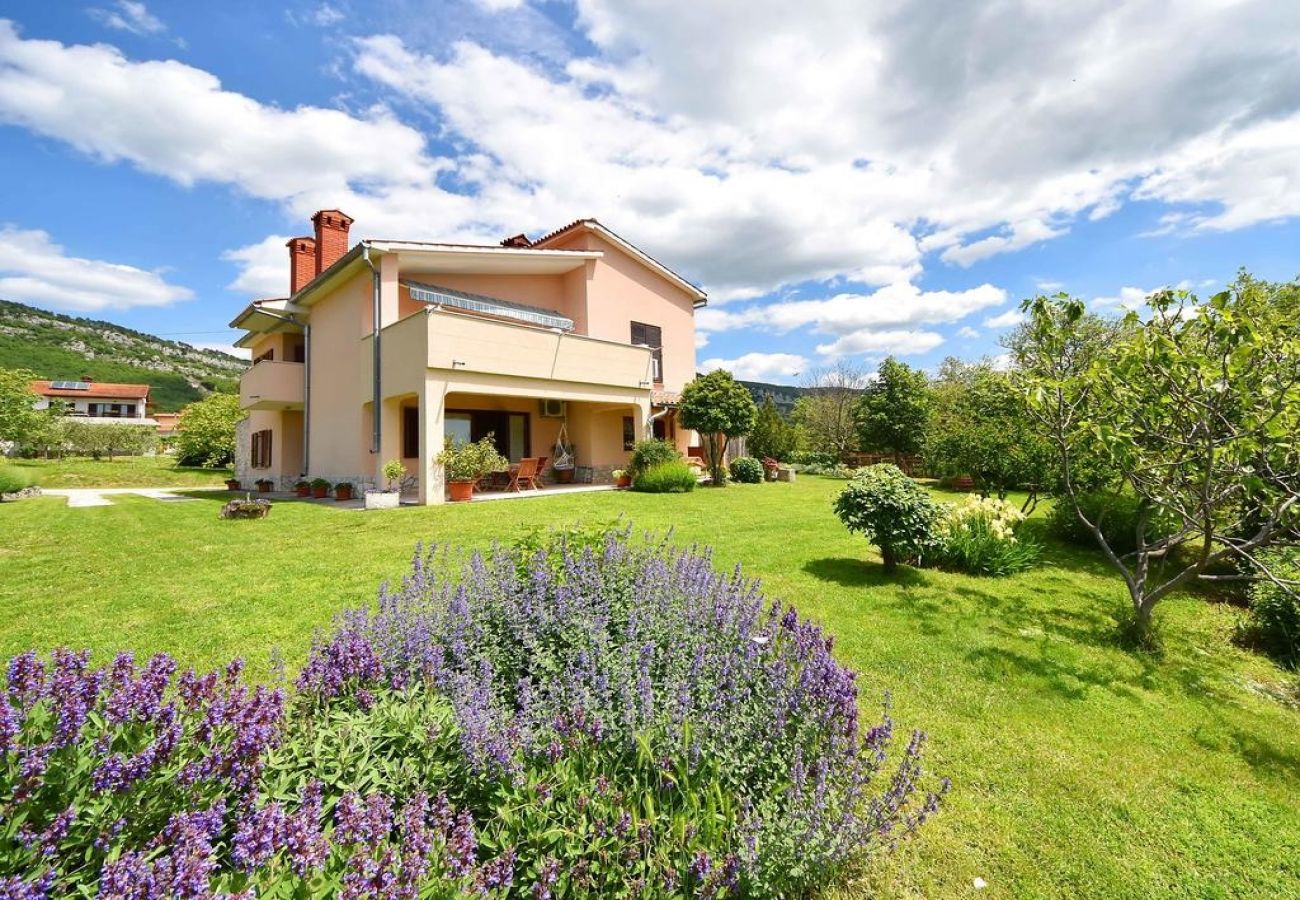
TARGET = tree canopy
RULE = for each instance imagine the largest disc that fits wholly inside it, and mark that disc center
(892, 411)
(206, 433)
(719, 408)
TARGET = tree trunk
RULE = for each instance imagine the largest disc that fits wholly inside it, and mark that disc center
(889, 558)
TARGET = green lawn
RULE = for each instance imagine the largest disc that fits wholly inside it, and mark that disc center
(1079, 769)
(124, 471)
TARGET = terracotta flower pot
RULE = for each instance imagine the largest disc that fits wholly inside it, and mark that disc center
(321, 492)
(460, 490)
(343, 492)
(264, 487)
(304, 490)
(232, 484)
(624, 481)
(564, 476)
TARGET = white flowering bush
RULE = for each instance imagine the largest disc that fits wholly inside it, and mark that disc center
(981, 536)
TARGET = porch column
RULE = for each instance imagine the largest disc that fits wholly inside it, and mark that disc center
(431, 441)
(390, 437)
(641, 420)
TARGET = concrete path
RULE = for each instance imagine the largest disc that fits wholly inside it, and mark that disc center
(79, 497)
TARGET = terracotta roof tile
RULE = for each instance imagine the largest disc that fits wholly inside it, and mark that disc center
(95, 390)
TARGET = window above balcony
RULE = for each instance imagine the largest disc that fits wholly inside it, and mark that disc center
(487, 306)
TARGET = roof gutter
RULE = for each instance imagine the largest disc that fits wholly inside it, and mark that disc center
(376, 362)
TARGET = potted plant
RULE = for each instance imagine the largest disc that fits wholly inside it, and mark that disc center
(320, 488)
(464, 464)
(390, 497)
(622, 478)
(264, 485)
(343, 490)
(232, 484)
(303, 488)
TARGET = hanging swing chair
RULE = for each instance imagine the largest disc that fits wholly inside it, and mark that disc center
(563, 460)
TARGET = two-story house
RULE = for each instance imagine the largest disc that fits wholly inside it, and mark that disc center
(96, 401)
(384, 348)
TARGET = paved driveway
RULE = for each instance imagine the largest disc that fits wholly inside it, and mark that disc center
(78, 497)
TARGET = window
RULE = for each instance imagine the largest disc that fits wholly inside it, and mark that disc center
(509, 430)
(261, 455)
(410, 432)
(629, 433)
(651, 336)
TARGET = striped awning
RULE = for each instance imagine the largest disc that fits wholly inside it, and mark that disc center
(491, 306)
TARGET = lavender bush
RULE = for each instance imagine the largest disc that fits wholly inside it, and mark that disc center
(580, 717)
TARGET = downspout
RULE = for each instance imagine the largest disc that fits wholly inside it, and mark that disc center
(306, 399)
(374, 347)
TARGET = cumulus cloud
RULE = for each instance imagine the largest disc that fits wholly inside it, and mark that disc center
(1008, 319)
(1130, 297)
(35, 269)
(882, 342)
(231, 349)
(842, 314)
(780, 367)
(967, 332)
(850, 145)
(128, 15)
(263, 267)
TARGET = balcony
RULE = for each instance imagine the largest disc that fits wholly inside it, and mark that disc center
(493, 355)
(272, 385)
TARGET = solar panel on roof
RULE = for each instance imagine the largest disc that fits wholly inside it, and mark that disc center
(70, 385)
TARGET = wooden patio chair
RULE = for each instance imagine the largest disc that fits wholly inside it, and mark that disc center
(525, 475)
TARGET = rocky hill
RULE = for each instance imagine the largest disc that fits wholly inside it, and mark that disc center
(66, 347)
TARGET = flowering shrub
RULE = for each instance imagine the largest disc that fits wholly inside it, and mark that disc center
(979, 536)
(650, 453)
(570, 721)
(891, 510)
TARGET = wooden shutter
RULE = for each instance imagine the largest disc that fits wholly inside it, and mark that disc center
(651, 336)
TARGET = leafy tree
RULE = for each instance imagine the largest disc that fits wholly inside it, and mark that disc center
(891, 510)
(719, 408)
(206, 432)
(825, 414)
(104, 438)
(1197, 406)
(772, 435)
(892, 411)
(20, 421)
(980, 425)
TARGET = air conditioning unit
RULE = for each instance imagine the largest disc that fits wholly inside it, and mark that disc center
(553, 409)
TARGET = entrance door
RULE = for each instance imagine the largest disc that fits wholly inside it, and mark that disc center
(509, 430)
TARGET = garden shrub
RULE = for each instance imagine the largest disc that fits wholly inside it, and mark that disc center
(614, 721)
(650, 453)
(819, 458)
(1276, 611)
(891, 510)
(746, 470)
(1116, 514)
(981, 536)
(666, 478)
(13, 480)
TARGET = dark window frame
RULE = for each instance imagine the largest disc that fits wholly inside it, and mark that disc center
(260, 457)
(410, 432)
(651, 336)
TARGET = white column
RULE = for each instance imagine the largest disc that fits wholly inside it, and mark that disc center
(431, 440)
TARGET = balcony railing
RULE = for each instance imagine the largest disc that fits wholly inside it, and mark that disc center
(272, 385)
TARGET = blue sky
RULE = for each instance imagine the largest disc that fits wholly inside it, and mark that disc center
(846, 180)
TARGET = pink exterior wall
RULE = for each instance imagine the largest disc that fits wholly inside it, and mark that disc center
(620, 290)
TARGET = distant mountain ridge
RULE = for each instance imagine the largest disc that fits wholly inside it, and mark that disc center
(783, 395)
(56, 346)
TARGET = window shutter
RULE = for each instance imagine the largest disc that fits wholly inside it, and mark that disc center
(639, 333)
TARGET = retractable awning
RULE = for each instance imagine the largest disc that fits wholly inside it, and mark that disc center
(492, 306)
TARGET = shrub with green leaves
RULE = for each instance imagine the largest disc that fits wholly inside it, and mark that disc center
(1276, 607)
(13, 480)
(1116, 514)
(650, 453)
(746, 470)
(980, 536)
(666, 478)
(891, 510)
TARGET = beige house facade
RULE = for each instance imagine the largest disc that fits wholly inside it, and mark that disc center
(383, 349)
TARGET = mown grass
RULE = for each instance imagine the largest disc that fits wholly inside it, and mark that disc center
(123, 471)
(1080, 768)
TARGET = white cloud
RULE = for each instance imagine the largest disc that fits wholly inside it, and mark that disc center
(326, 15)
(881, 343)
(128, 15)
(1134, 297)
(967, 332)
(34, 269)
(701, 340)
(499, 5)
(760, 366)
(1008, 319)
(263, 267)
(892, 305)
(841, 146)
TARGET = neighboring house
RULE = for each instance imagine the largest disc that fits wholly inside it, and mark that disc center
(96, 401)
(383, 350)
(168, 422)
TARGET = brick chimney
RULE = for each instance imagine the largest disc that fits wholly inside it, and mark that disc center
(331, 237)
(302, 262)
